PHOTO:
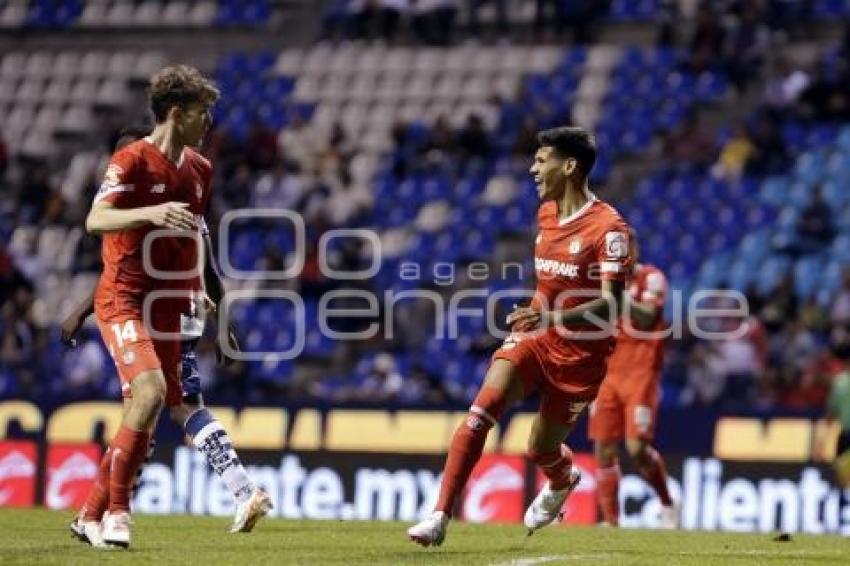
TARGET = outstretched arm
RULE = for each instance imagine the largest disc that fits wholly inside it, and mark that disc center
(105, 217)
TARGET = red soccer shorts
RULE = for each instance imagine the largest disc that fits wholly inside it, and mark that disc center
(135, 352)
(625, 412)
(565, 389)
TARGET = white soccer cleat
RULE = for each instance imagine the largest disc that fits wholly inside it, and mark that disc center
(251, 511)
(115, 529)
(87, 532)
(669, 516)
(546, 507)
(430, 531)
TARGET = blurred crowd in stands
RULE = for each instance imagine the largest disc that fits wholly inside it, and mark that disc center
(786, 357)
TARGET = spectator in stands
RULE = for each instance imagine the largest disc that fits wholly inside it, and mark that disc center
(4, 157)
(815, 227)
(826, 98)
(442, 137)
(384, 382)
(706, 46)
(299, 142)
(747, 47)
(433, 21)
(279, 188)
(83, 367)
(706, 376)
(422, 387)
(781, 304)
(336, 19)
(734, 155)
(525, 142)
(689, 144)
(379, 19)
(261, 147)
(668, 21)
(744, 358)
(34, 192)
(771, 155)
(784, 85)
(473, 139)
(576, 16)
(500, 7)
(236, 192)
(840, 312)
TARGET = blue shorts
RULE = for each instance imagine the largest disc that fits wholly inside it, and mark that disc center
(190, 376)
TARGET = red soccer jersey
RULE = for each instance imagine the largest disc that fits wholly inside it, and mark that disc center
(637, 358)
(571, 257)
(141, 175)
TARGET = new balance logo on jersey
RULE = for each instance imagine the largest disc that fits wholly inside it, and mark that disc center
(555, 267)
(158, 189)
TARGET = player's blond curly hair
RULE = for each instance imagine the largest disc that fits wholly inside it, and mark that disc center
(179, 85)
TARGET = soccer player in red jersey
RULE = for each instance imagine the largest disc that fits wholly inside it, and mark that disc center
(627, 405)
(581, 261)
(159, 182)
(206, 433)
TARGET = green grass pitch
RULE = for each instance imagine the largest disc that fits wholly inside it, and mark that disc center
(42, 537)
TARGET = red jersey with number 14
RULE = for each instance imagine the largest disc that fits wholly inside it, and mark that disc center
(140, 175)
(637, 357)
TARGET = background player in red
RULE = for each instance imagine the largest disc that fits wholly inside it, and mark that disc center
(627, 404)
(155, 183)
(581, 250)
(205, 432)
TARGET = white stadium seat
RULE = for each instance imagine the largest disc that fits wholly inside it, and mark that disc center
(203, 13)
(30, 90)
(289, 62)
(93, 64)
(13, 14)
(123, 14)
(39, 64)
(113, 92)
(176, 14)
(148, 63)
(148, 14)
(121, 64)
(76, 120)
(66, 64)
(13, 64)
(94, 15)
(84, 91)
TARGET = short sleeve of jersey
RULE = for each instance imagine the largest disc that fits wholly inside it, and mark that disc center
(117, 186)
(612, 251)
(655, 289)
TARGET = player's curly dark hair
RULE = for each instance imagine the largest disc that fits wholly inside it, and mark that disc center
(571, 141)
(179, 85)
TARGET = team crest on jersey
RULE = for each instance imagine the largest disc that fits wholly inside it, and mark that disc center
(575, 245)
(616, 245)
(113, 175)
(128, 357)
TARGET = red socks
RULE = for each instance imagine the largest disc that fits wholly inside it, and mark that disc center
(98, 497)
(607, 488)
(555, 465)
(468, 444)
(653, 470)
(128, 452)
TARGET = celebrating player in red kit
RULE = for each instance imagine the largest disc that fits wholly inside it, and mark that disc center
(581, 261)
(628, 399)
(157, 183)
